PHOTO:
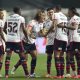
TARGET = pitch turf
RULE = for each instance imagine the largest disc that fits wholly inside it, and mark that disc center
(40, 69)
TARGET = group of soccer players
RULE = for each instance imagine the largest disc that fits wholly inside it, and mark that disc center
(62, 33)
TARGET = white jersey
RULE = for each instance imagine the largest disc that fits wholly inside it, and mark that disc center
(74, 34)
(60, 33)
(35, 26)
(1, 26)
(14, 30)
(51, 35)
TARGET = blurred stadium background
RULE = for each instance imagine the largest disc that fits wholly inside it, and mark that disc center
(30, 7)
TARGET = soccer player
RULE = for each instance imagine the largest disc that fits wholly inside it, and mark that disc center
(2, 38)
(60, 41)
(70, 63)
(34, 30)
(14, 26)
(74, 39)
(50, 40)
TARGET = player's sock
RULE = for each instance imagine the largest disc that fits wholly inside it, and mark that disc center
(17, 64)
(49, 58)
(62, 65)
(67, 66)
(57, 64)
(24, 65)
(78, 63)
(72, 62)
(0, 65)
(33, 65)
(7, 64)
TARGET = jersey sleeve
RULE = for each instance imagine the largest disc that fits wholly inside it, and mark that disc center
(22, 20)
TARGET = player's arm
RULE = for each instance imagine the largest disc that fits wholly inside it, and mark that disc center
(5, 28)
(1, 32)
(71, 28)
(32, 34)
(61, 25)
(24, 30)
(30, 31)
(52, 28)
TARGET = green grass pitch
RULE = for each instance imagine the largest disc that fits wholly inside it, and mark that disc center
(40, 69)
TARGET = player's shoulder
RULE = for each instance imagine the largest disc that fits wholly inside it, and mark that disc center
(21, 17)
(55, 15)
(75, 16)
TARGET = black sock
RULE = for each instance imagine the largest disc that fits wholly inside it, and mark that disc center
(57, 65)
(33, 65)
(49, 58)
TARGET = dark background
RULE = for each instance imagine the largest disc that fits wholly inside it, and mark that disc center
(32, 4)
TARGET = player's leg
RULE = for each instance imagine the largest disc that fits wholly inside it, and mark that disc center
(59, 48)
(19, 61)
(8, 57)
(49, 51)
(33, 61)
(20, 50)
(18, 64)
(78, 60)
(57, 51)
(68, 60)
(1, 58)
(72, 60)
(57, 62)
(78, 64)
(64, 44)
(72, 63)
(62, 63)
(24, 63)
(68, 64)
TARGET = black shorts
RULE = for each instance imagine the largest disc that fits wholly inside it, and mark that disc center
(49, 49)
(29, 47)
(60, 45)
(14, 46)
(74, 46)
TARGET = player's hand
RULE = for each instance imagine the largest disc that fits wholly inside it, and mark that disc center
(32, 36)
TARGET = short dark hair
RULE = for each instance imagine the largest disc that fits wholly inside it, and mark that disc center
(48, 9)
(1, 9)
(58, 7)
(74, 10)
(16, 9)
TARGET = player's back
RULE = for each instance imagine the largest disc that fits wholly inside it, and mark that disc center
(14, 28)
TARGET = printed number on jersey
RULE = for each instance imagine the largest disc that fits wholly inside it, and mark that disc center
(12, 27)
